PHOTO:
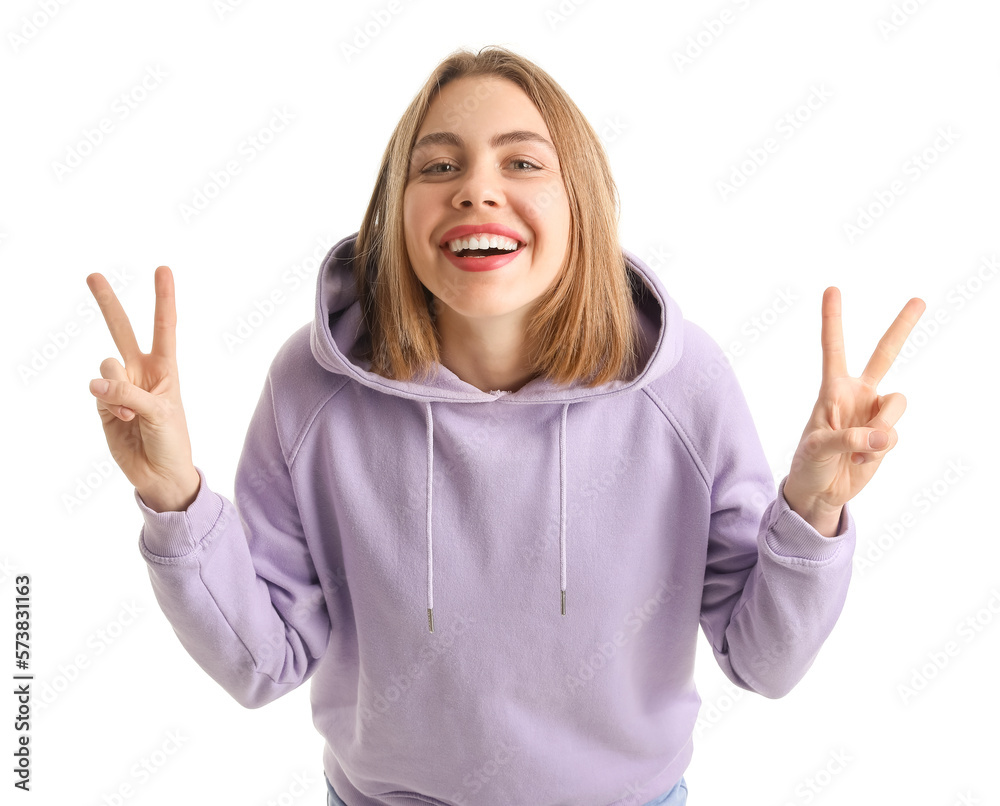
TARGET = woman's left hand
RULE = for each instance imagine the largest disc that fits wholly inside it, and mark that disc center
(852, 426)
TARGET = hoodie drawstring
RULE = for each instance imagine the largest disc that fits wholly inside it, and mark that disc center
(562, 513)
(562, 509)
(430, 497)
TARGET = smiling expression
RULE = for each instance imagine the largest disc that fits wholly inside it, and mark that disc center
(484, 163)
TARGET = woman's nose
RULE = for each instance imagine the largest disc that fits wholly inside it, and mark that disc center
(480, 185)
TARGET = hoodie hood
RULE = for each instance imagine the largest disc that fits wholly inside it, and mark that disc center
(338, 324)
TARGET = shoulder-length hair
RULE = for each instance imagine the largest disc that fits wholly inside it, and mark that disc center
(584, 327)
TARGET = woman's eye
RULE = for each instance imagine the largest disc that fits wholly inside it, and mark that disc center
(447, 167)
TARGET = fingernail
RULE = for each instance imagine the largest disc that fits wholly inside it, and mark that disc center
(878, 439)
(99, 387)
(126, 413)
(858, 458)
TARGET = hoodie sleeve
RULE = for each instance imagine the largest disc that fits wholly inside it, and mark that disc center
(774, 586)
(237, 582)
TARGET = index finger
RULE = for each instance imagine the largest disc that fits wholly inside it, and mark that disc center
(115, 317)
(165, 315)
(832, 336)
(892, 342)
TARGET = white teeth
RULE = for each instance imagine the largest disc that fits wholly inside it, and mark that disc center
(483, 241)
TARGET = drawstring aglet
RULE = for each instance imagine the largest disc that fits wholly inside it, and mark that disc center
(563, 602)
(430, 618)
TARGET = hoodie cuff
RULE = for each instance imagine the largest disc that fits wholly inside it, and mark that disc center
(788, 534)
(169, 535)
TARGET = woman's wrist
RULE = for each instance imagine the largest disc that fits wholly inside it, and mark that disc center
(172, 497)
(817, 513)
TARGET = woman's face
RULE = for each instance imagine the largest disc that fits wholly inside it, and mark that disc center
(484, 156)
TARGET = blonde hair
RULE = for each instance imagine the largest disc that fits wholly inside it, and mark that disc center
(584, 327)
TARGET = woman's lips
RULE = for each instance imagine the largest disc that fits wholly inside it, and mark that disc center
(487, 263)
(487, 228)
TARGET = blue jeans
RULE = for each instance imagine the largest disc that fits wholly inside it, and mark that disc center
(675, 797)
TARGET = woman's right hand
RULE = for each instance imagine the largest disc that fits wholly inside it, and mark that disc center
(140, 403)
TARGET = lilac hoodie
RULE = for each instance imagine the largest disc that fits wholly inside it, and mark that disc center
(564, 544)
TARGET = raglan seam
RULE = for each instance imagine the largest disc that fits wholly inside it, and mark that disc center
(292, 451)
(685, 438)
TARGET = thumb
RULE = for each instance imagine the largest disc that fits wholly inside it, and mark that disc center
(860, 439)
(120, 396)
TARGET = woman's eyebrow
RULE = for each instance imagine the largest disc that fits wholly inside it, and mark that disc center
(497, 141)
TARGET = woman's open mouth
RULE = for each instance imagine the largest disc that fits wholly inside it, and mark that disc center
(482, 253)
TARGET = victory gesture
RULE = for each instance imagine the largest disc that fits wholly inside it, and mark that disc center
(852, 426)
(140, 402)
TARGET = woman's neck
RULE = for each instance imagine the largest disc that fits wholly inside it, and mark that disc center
(489, 353)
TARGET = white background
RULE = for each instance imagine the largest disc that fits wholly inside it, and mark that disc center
(118, 686)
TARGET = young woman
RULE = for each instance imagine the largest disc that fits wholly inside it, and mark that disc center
(490, 492)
